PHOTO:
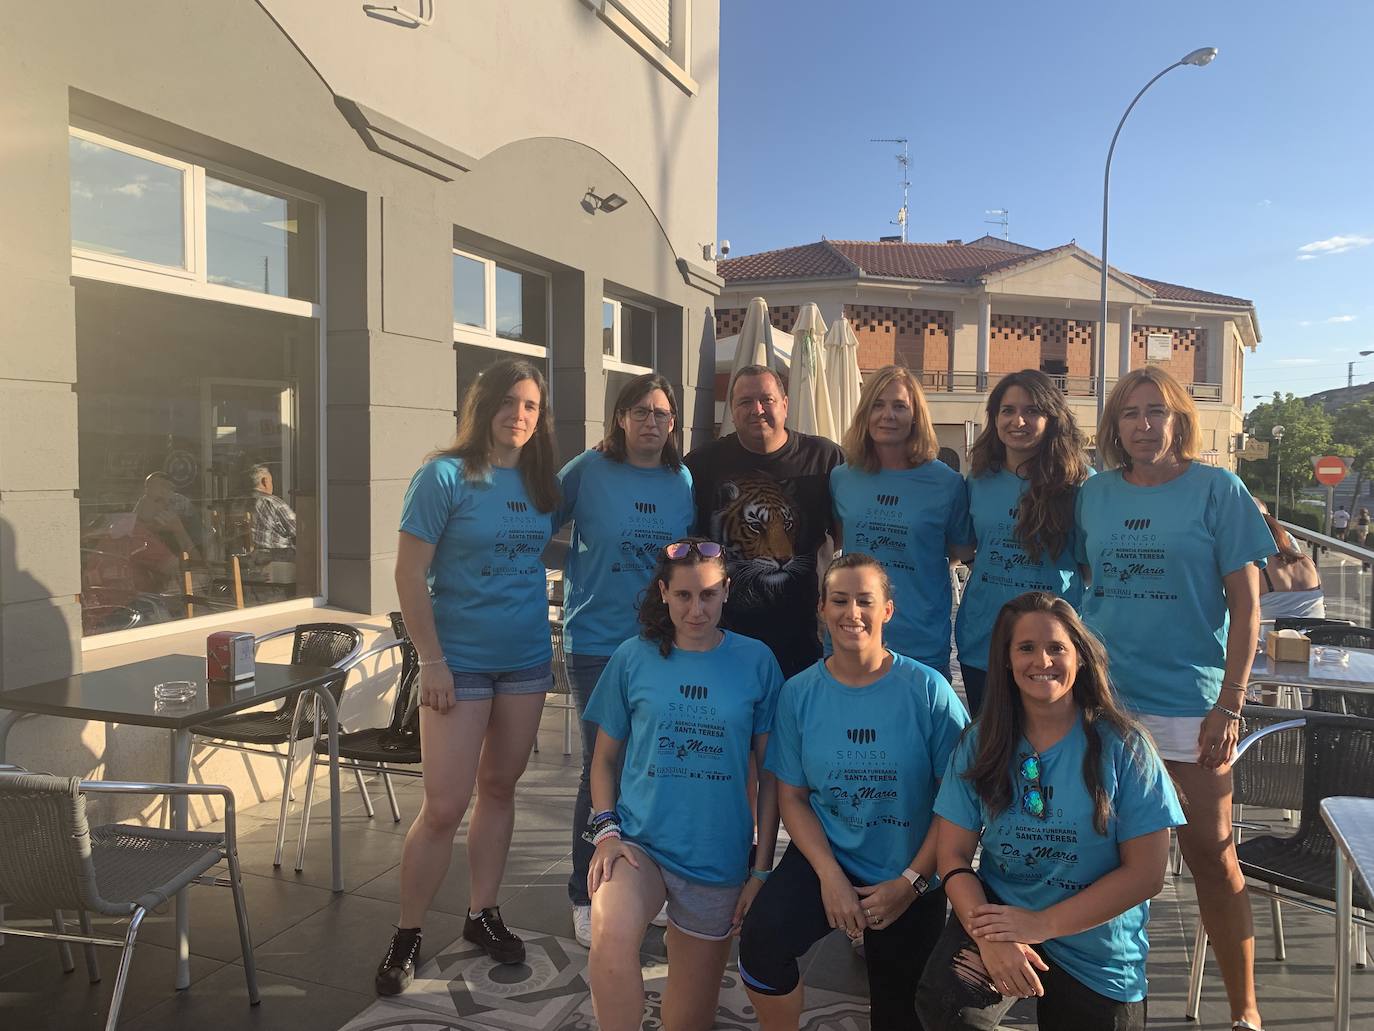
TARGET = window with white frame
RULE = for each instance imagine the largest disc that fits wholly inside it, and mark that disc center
(500, 309)
(653, 16)
(198, 368)
(628, 333)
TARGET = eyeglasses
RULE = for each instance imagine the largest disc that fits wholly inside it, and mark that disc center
(639, 413)
(681, 549)
(1033, 796)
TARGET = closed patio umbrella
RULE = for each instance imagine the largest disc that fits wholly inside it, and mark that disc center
(754, 346)
(808, 408)
(842, 373)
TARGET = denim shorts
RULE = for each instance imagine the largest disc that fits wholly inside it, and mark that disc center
(476, 687)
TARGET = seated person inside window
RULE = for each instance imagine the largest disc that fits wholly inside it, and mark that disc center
(162, 511)
(273, 521)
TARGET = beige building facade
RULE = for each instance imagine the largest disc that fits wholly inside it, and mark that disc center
(965, 314)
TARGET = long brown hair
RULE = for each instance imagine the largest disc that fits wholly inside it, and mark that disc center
(1045, 520)
(1187, 433)
(1001, 721)
(473, 442)
(922, 445)
(613, 444)
(654, 617)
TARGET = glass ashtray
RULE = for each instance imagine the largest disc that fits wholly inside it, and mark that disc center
(1330, 655)
(175, 691)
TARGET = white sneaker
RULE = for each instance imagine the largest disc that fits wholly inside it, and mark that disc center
(662, 919)
(582, 925)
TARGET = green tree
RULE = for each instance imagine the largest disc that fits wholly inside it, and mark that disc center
(1306, 435)
(1353, 432)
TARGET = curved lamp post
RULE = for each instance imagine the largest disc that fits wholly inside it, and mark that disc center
(1277, 434)
(1199, 57)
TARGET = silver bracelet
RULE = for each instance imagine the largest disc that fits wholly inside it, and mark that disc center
(432, 662)
(1230, 714)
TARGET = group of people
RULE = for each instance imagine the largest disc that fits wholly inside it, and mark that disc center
(733, 676)
(1350, 528)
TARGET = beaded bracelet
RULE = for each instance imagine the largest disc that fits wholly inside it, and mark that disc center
(1230, 714)
(609, 831)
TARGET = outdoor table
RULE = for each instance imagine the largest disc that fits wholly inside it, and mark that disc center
(124, 694)
(1357, 678)
(1352, 825)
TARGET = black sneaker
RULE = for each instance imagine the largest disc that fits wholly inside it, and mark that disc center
(488, 930)
(398, 966)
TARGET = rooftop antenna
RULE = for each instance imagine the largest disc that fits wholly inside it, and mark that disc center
(1000, 217)
(904, 160)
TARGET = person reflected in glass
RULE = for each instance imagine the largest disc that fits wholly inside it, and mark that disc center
(166, 513)
(1072, 808)
(1024, 472)
(471, 583)
(627, 498)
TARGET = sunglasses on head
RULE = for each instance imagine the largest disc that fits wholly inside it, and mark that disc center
(681, 549)
(1033, 797)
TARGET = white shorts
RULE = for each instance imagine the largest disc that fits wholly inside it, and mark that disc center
(1175, 736)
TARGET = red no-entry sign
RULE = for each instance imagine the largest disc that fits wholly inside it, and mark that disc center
(1330, 470)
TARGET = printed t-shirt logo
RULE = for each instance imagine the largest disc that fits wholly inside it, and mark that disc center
(696, 692)
(891, 500)
(1137, 524)
(645, 507)
(862, 735)
(518, 506)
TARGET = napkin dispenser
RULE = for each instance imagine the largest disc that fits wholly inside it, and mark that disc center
(229, 657)
(1287, 646)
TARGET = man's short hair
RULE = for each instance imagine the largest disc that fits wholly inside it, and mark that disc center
(758, 370)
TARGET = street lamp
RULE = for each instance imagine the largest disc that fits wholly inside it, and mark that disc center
(1350, 369)
(1198, 58)
(1277, 434)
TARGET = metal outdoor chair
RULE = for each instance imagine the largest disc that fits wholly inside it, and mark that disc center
(1305, 623)
(52, 860)
(298, 717)
(562, 687)
(1346, 636)
(376, 749)
(1299, 870)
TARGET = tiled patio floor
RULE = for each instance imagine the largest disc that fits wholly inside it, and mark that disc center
(316, 952)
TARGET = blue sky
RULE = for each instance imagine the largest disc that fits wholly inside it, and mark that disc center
(1223, 173)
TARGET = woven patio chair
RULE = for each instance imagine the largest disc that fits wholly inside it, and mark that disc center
(52, 860)
(562, 687)
(377, 749)
(1306, 623)
(298, 718)
(1300, 869)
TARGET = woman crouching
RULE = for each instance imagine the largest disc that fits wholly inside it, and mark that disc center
(684, 703)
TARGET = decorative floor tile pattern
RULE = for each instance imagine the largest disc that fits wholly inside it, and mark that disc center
(461, 988)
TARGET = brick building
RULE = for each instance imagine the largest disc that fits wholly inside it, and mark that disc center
(965, 314)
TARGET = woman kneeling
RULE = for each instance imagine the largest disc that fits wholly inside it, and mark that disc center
(684, 703)
(1074, 807)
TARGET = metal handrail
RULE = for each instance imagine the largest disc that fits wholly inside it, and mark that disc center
(1318, 542)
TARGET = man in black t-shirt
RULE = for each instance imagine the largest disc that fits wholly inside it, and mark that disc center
(764, 493)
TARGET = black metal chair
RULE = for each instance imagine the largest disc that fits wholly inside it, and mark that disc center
(377, 749)
(1307, 622)
(1347, 636)
(562, 687)
(1300, 870)
(298, 718)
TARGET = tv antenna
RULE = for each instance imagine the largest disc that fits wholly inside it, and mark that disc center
(904, 160)
(1000, 217)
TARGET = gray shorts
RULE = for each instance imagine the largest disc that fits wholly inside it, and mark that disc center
(705, 911)
(474, 687)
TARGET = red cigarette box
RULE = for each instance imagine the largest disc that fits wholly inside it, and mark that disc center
(229, 657)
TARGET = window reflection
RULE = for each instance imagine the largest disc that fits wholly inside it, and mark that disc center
(521, 306)
(608, 328)
(469, 291)
(260, 241)
(126, 206)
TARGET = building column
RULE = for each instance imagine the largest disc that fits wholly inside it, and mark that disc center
(984, 338)
(1123, 362)
(579, 380)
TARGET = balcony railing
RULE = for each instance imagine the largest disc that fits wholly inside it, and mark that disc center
(945, 381)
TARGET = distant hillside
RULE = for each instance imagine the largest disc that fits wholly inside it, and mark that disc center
(1332, 400)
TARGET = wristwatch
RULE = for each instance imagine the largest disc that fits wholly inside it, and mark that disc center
(918, 883)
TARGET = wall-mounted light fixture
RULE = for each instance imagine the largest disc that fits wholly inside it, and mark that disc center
(592, 202)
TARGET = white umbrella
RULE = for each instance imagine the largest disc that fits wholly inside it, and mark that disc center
(754, 347)
(842, 373)
(726, 347)
(808, 406)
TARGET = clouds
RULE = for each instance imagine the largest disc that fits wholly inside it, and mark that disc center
(1295, 361)
(236, 200)
(1333, 245)
(1334, 320)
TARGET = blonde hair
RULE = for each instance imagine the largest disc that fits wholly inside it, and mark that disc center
(1187, 437)
(922, 446)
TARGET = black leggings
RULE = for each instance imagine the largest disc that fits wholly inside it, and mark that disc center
(788, 917)
(957, 997)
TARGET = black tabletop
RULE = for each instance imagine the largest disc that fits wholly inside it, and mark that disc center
(124, 694)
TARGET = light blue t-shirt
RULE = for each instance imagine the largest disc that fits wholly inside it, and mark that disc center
(689, 723)
(1001, 568)
(1035, 863)
(486, 579)
(871, 756)
(908, 519)
(623, 516)
(1158, 556)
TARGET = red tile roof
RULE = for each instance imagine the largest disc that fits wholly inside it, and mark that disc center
(930, 262)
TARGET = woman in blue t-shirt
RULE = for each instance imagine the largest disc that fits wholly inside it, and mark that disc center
(895, 501)
(627, 497)
(471, 585)
(1024, 473)
(679, 711)
(1171, 545)
(1072, 807)
(859, 742)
